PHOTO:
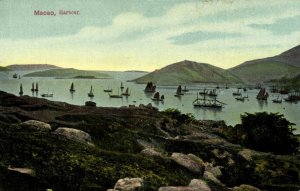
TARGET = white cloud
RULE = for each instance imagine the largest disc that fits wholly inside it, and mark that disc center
(104, 42)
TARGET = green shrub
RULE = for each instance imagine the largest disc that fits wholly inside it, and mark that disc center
(268, 132)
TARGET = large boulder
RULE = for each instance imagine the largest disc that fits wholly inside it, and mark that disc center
(209, 176)
(129, 184)
(215, 170)
(177, 188)
(197, 160)
(36, 125)
(199, 185)
(151, 152)
(245, 187)
(27, 171)
(73, 134)
(187, 162)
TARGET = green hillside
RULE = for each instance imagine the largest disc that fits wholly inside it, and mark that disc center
(67, 73)
(186, 72)
(264, 70)
(292, 83)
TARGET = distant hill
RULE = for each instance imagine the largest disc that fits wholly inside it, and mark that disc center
(3, 68)
(26, 67)
(286, 64)
(185, 72)
(68, 73)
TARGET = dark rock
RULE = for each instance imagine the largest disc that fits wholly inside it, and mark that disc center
(90, 104)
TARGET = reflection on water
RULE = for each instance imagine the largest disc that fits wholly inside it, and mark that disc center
(230, 113)
(262, 104)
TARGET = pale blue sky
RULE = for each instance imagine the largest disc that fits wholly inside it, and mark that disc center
(146, 35)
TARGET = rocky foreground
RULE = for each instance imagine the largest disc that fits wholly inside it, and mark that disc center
(57, 146)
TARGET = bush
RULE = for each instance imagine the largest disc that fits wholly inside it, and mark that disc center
(268, 133)
(177, 115)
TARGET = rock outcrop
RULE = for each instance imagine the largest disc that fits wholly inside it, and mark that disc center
(74, 135)
(129, 184)
(36, 125)
(245, 187)
(187, 162)
(199, 185)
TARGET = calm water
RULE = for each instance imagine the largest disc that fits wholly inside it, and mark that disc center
(230, 113)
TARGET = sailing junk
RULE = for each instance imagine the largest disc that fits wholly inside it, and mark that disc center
(126, 93)
(237, 93)
(157, 98)
(32, 88)
(150, 87)
(179, 91)
(36, 87)
(21, 90)
(91, 94)
(72, 88)
(262, 94)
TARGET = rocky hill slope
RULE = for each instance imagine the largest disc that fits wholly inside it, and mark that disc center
(54, 145)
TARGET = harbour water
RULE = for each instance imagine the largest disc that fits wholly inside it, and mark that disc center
(230, 113)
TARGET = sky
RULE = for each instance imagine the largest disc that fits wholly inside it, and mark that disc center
(120, 35)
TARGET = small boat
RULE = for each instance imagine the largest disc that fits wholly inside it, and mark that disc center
(108, 90)
(15, 75)
(293, 97)
(212, 93)
(226, 86)
(217, 87)
(47, 95)
(237, 93)
(21, 90)
(207, 103)
(32, 88)
(241, 98)
(277, 100)
(156, 97)
(122, 87)
(178, 92)
(115, 95)
(72, 88)
(126, 93)
(185, 89)
(91, 93)
(262, 94)
(36, 87)
(150, 87)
